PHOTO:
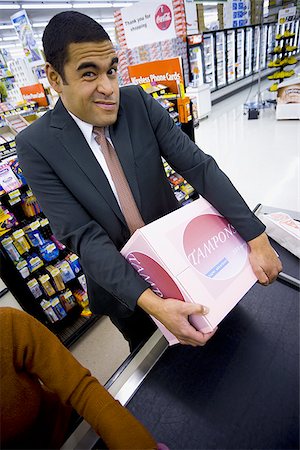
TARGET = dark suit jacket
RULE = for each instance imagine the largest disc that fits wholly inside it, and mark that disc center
(76, 197)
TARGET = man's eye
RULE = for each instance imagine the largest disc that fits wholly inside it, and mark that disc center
(89, 74)
(112, 71)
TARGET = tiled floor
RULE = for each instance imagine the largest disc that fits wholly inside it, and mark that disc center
(261, 157)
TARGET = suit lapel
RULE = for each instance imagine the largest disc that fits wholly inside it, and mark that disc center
(75, 144)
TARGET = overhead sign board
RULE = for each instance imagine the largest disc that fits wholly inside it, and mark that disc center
(146, 23)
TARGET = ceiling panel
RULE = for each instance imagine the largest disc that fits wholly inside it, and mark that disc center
(44, 14)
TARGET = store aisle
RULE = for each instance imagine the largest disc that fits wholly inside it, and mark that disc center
(262, 159)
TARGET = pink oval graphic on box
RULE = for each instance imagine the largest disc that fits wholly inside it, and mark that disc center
(163, 17)
(160, 281)
(214, 247)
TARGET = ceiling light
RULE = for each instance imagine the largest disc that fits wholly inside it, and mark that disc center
(10, 6)
(40, 24)
(92, 5)
(47, 6)
(105, 20)
(121, 5)
(10, 38)
(9, 46)
(6, 27)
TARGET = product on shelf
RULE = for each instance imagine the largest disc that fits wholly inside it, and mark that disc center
(35, 288)
(176, 179)
(82, 281)
(67, 300)
(283, 59)
(58, 308)
(20, 242)
(7, 220)
(291, 48)
(49, 251)
(8, 180)
(73, 260)
(46, 285)
(11, 249)
(49, 311)
(66, 272)
(34, 262)
(179, 195)
(187, 189)
(22, 267)
(6, 135)
(58, 244)
(45, 228)
(30, 205)
(57, 278)
(82, 299)
(15, 166)
(274, 87)
(17, 123)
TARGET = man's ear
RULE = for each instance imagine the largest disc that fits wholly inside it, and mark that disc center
(54, 78)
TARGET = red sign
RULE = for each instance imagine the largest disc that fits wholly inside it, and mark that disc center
(195, 39)
(163, 17)
(35, 93)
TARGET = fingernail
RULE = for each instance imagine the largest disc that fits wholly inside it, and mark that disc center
(205, 309)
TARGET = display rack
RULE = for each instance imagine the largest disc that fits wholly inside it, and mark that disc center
(283, 57)
(45, 278)
(235, 54)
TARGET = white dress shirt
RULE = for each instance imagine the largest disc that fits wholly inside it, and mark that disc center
(87, 131)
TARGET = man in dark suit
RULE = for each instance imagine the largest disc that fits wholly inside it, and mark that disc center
(79, 192)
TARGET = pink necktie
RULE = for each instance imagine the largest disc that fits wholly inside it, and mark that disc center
(126, 199)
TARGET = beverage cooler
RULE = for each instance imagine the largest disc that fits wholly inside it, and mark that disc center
(198, 91)
(227, 56)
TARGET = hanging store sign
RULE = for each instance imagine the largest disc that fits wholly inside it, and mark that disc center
(35, 93)
(24, 31)
(167, 72)
(286, 15)
(191, 17)
(146, 23)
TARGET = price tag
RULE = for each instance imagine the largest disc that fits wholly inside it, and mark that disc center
(15, 193)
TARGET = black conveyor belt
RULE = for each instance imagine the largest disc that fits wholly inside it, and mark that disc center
(240, 391)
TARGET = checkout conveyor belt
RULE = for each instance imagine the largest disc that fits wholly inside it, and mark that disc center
(240, 391)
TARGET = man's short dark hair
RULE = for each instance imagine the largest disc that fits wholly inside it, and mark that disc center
(64, 29)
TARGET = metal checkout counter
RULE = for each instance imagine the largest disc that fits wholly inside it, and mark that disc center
(239, 391)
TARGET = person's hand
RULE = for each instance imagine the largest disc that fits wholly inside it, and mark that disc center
(161, 446)
(264, 261)
(174, 314)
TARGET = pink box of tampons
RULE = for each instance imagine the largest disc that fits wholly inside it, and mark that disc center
(195, 255)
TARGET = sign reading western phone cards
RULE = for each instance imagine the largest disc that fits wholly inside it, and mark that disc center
(148, 22)
(167, 72)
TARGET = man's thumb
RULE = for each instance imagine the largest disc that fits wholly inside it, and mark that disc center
(197, 309)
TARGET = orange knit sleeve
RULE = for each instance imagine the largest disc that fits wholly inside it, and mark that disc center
(41, 353)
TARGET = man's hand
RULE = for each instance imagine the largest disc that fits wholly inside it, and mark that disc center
(173, 314)
(265, 263)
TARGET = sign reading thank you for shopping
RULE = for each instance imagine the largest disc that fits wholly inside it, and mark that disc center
(147, 22)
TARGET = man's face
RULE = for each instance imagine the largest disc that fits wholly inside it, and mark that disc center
(91, 90)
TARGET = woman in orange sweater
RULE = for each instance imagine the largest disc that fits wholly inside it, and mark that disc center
(35, 415)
